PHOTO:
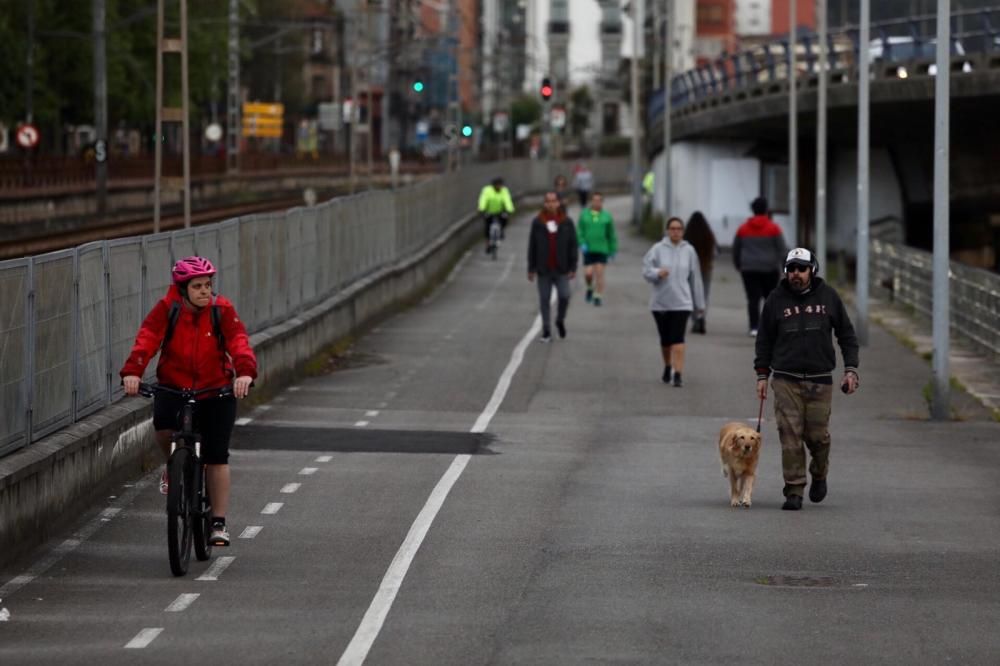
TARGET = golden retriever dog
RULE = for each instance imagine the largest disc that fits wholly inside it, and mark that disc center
(739, 448)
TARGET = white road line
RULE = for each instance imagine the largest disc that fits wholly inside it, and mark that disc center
(371, 624)
(109, 513)
(324, 459)
(68, 545)
(218, 566)
(371, 412)
(306, 471)
(293, 389)
(383, 405)
(243, 421)
(361, 424)
(144, 638)
(263, 408)
(250, 531)
(272, 508)
(290, 488)
(182, 602)
(506, 273)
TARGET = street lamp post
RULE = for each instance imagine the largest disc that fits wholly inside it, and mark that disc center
(793, 122)
(942, 149)
(668, 75)
(821, 137)
(634, 72)
(864, 80)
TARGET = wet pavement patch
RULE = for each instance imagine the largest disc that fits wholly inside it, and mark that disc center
(355, 440)
(786, 580)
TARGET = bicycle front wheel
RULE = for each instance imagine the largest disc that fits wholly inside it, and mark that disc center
(202, 516)
(179, 511)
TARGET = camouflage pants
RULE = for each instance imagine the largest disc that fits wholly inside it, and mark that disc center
(802, 412)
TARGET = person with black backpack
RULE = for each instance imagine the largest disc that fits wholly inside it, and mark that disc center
(202, 344)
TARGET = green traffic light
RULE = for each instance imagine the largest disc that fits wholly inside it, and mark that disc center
(418, 86)
(467, 130)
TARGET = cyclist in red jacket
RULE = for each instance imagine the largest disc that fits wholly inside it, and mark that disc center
(202, 344)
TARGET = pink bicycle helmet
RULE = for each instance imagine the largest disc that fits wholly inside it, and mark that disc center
(190, 268)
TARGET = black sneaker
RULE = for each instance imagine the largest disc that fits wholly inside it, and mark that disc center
(589, 296)
(666, 375)
(597, 301)
(677, 379)
(546, 336)
(561, 327)
(817, 490)
(792, 503)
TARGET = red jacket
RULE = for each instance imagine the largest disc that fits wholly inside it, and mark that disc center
(192, 358)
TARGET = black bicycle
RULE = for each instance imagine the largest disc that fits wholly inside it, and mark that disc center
(495, 233)
(189, 509)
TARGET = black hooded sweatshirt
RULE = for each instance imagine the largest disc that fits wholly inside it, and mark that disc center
(794, 338)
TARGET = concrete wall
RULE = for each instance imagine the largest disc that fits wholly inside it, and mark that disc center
(885, 201)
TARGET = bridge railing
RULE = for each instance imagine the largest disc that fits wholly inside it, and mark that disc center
(899, 48)
(904, 275)
(68, 319)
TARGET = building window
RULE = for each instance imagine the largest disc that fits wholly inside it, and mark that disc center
(711, 15)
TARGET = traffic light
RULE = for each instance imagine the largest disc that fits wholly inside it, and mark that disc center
(466, 130)
(418, 86)
(546, 89)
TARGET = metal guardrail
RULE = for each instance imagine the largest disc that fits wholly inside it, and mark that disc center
(906, 45)
(68, 318)
(904, 275)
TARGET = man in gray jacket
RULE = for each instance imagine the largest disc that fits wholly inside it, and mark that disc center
(671, 267)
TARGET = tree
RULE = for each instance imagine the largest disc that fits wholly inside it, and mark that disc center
(581, 105)
(525, 110)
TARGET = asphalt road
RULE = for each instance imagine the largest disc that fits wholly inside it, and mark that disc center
(407, 515)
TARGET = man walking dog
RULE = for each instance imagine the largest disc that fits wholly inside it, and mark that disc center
(794, 345)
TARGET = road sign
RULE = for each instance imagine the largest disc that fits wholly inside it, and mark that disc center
(263, 120)
(558, 117)
(213, 132)
(100, 151)
(423, 129)
(27, 136)
(501, 121)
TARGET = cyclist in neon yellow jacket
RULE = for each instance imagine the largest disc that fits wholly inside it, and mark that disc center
(596, 238)
(495, 201)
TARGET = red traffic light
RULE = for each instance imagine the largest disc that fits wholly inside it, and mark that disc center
(546, 89)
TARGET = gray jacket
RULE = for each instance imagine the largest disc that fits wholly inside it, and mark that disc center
(583, 180)
(682, 289)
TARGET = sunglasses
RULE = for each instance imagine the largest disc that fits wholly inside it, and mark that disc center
(796, 268)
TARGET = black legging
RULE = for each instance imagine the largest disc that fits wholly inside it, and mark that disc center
(758, 285)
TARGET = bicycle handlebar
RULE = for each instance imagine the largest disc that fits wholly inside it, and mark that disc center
(148, 390)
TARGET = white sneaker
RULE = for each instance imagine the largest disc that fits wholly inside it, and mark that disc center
(164, 481)
(753, 332)
(219, 536)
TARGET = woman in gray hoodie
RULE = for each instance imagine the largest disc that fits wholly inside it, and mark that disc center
(671, 267)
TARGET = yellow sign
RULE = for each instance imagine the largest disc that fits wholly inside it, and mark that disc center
(263, 109)
(261, 119)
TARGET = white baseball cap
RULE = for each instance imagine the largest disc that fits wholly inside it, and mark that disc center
(800, 255)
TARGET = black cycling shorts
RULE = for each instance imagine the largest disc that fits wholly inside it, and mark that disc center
(671, 325)
(213, 420)
(591, 258)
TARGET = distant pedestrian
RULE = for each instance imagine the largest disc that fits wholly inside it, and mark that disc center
(794, 347)
(598, 242)
(757, 253)
(562, 191)
(700, 235)
(671, 267)
(583, 183)
(552, 258)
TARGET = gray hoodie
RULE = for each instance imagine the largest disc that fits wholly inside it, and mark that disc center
(682, 289)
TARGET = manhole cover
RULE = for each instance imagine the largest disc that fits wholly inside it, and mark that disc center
(786, 580)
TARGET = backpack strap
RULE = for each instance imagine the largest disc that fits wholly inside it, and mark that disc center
(220, 339)
(172, 315)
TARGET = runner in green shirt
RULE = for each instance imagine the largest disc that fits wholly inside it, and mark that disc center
(597, 240)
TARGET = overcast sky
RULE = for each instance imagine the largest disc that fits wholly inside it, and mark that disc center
(585, 40)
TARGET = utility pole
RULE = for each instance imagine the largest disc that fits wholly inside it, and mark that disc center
(634, 72)
(352, 126)
(369, 103)
(100, 105)
(942, 157)
(821, 137)
(233, 90)
(793, 120)
(668, 75)
(176, 45)
(864, 81)
(29, 99)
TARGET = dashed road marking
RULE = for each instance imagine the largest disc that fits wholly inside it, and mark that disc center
(251, 531)
(306, 471)
(371, 412)
(272, 508)
(182, 602)
(361, 424)
(144, 638)
(324, 459)
(243, 421)
(218, 566)
(290, 488)
(294, 388)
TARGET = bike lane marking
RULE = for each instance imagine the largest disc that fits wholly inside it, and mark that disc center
(250, 531)
(371, 624)
(271, 508)
(290, 488)
(496, 285)
(144, 638)
(182, 602)
(308, 471)
(218, 566)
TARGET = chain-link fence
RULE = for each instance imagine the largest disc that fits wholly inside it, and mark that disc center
(68, 319)
(905, 275)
